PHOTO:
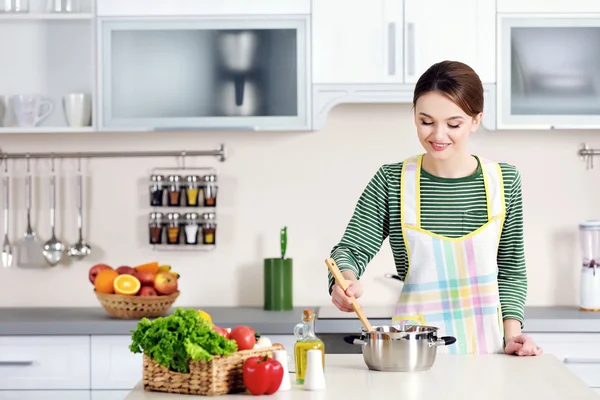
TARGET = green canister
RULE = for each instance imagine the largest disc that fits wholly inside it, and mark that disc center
(278, 280)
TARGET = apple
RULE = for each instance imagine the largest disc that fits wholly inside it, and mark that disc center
(122, 270)
(146, 278)
(221, 331)
(165, 283)
(147, 291)
(96, 269)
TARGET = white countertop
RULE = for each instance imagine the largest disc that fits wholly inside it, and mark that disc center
(490, 377)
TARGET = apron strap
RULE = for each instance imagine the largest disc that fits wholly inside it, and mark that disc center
(494, 188)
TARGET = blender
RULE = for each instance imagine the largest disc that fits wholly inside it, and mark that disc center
(589, 287)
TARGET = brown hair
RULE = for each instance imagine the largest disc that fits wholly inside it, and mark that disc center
(459, 82)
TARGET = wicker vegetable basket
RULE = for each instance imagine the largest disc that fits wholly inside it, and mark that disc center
(220, 376)
(135, 307)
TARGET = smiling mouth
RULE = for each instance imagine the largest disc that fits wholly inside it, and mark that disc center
(439, 146)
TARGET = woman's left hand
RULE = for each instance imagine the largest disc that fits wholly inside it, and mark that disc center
(522, 345)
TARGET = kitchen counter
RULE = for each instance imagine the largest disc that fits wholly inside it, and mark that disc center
(490, 377)
(537, 319)
(95, 321)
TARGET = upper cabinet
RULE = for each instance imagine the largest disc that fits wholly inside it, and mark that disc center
(357, 41)
(548, 75)
(459, 30)
(186, 8)
(547, 6)
(196, 73)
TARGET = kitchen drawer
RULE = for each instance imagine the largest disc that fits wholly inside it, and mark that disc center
(579, 352)
(109, 394)
(44, 362)
(44, 395)
(288, 342)
(113, 365)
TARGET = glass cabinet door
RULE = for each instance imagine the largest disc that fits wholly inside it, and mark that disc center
(549, 73)
(164, 74)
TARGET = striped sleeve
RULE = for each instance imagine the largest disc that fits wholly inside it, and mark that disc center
(512, 274)
(366, 231)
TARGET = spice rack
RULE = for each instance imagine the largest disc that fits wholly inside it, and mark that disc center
(183, 202)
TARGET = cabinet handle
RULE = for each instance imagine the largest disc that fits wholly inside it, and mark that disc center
(205, 128)
(581, 361)
(392, 48)
(15, 363)
(410, 51)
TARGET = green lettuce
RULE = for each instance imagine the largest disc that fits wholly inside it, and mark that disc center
(174, 340)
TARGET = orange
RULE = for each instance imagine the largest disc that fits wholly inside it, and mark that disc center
(151, 267)
(127, 285)
(104, 281)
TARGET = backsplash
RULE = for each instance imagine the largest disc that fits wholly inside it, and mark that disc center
(308, 182)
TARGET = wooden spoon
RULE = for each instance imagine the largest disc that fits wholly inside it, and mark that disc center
(341, 281)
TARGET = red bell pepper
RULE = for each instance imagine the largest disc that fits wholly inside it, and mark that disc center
(262, 375)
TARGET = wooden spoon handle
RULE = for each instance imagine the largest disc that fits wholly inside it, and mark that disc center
(339, 278)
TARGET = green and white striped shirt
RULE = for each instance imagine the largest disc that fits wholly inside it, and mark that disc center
(449, 207)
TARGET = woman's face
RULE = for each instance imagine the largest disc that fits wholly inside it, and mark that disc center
(442, 126)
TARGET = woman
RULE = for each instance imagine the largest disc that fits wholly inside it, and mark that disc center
(455, 226)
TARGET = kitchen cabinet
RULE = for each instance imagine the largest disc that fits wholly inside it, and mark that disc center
(195, 8)
(47, 395)
(357, 41)
(548, 6)
(580, 352)
(536, 89)
(51, 55)
(109, 394)
(222, 73)
(433, 33)
(44, 362)
(114, 366)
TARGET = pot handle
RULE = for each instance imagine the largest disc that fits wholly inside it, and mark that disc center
(443, 341)
(354, 340)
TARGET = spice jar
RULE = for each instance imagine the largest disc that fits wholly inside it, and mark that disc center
(192, 227)
(192, 190)
(174, 190)
(210, 190)
(209, 228)
(173, 228)
(156, 190)
(156, 228)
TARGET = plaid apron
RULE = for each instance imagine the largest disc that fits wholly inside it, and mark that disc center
(451, 283)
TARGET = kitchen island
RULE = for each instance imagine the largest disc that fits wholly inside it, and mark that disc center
(490, 377)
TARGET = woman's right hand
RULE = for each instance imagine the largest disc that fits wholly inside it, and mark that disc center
(342, 300)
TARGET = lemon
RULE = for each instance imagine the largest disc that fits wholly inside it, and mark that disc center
(205, 316)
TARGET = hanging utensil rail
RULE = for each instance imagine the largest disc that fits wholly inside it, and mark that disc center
(219, 153)
(587, 154)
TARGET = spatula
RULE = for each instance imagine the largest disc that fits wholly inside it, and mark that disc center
(341, 281)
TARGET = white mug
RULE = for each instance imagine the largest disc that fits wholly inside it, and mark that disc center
(29, 109)
(78, 109)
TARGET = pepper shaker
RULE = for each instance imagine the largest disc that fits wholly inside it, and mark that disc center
(156, 228)
(156, 190)
(315, 376)
(173, 228)
(209, 228)
(210, 190)
(174, 190)
(192, 227)
(281, 356)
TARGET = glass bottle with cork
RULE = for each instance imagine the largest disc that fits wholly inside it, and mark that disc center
(306, 339)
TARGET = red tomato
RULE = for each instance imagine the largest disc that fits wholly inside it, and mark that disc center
(221, 331)
(243, 336)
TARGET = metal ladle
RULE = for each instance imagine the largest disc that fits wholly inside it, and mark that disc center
(80, 249)
(54, 249)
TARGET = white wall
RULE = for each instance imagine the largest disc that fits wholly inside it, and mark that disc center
(307, 181)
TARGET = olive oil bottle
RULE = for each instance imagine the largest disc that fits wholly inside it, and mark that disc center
(306, 340)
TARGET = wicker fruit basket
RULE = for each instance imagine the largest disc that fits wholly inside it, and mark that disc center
(136, 307)
(220, 376)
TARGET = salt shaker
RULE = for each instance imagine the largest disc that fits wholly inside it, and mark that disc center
(315, 377)
(281, 356)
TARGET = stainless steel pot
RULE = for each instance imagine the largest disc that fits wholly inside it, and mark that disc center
(399, 348)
